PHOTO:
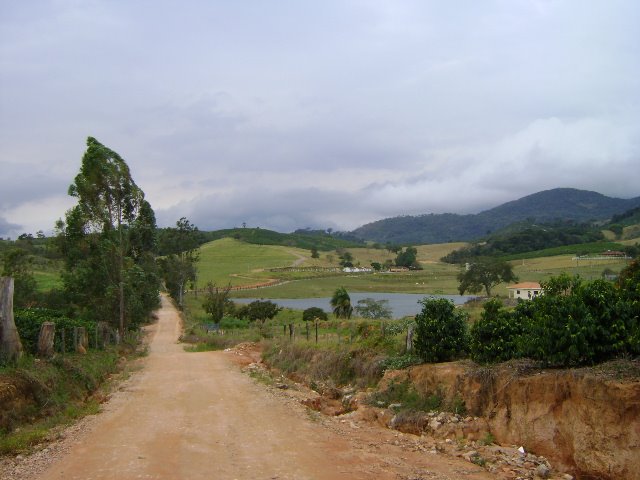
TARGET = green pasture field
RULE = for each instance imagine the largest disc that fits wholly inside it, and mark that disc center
(436, 278)
(541, 269)
(47, 280)
(231, 261)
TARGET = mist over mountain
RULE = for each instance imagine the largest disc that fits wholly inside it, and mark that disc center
(544, 206)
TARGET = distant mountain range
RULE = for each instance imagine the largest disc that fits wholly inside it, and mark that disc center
(546, 206)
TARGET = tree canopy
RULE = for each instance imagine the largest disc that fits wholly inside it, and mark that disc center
(260, 310)
(179, 265)
(484, 274)
(313, 313)
(107, 242)
(373, 309)
(341, 303)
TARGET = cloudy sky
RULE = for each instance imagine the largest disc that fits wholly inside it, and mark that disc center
(291, 114)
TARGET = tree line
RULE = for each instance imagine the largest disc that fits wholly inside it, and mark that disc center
(108, 243)
(573, 323)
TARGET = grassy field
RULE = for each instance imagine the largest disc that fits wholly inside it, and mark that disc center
(231, 261)
(541, 269)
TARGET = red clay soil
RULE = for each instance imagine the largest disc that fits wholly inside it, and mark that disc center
(197, 416)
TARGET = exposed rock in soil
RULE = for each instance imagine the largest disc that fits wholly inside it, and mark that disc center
(585, 423)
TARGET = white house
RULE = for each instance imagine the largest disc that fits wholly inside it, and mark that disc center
(524, 290)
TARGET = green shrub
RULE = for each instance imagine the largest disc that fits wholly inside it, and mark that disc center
(441, 331)
(405, 394)
(493, 338)
(29, 321)
(558, 331)
(313, 313)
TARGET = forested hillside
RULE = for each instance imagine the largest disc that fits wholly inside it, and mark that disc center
(542, 207)
(306, 239)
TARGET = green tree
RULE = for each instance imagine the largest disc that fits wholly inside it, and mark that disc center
(17, 263)
(493, 338)
(441, 331)
(408, 258)
(341, 303)
(179, 266)
(259, 310)
(617, 229)
(312, 313)
(346, 259)
(314, 252)
(216, 301)
(104, 263)
(373, 309)
(484, 274)
(376, 266)
(629, 285)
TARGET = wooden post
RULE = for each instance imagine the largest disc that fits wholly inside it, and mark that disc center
(307, 326)
(82, 340)
(75, 339)
(10, 345)
(316, 331)
(409, 344)
(64, 346)
(46, 339)
(291, 331)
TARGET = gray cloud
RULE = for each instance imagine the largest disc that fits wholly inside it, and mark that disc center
(326, 114)
(7, 229)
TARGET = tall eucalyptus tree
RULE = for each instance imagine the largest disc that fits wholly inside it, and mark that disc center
(108, 235)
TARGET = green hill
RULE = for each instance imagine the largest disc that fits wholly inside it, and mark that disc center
(559, 204)
(299, 239)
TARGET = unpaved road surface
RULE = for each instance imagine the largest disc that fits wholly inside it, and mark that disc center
(197, 416)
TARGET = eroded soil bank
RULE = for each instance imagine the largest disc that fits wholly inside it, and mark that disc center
(584, 421)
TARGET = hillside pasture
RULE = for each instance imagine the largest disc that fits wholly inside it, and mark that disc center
(231, 261)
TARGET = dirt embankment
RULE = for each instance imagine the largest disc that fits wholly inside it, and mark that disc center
(585, 423)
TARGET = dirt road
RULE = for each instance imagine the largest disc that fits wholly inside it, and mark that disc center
(197, 416)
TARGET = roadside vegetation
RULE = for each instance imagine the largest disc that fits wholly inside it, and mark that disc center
(98, 279)
(73, 304)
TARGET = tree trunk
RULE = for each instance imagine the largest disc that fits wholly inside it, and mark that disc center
(45, 339)
(10, 345)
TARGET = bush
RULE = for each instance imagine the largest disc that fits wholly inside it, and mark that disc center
(441, 332)
(558, 331)
(29, 321)
(493, 338)
(312, 313)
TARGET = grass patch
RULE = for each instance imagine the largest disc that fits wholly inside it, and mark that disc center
(338, 365)
(45, 394)
(404, 394)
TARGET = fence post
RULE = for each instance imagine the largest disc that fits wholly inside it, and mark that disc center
(307, 326)
(10, 345)
(83, 340)
(291, 330)
(46, 339)
(409, 343)
(316, 331)
(64, 346)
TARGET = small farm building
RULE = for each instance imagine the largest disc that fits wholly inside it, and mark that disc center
(524, 290)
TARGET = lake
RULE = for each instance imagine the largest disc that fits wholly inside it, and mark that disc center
(401, 304)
